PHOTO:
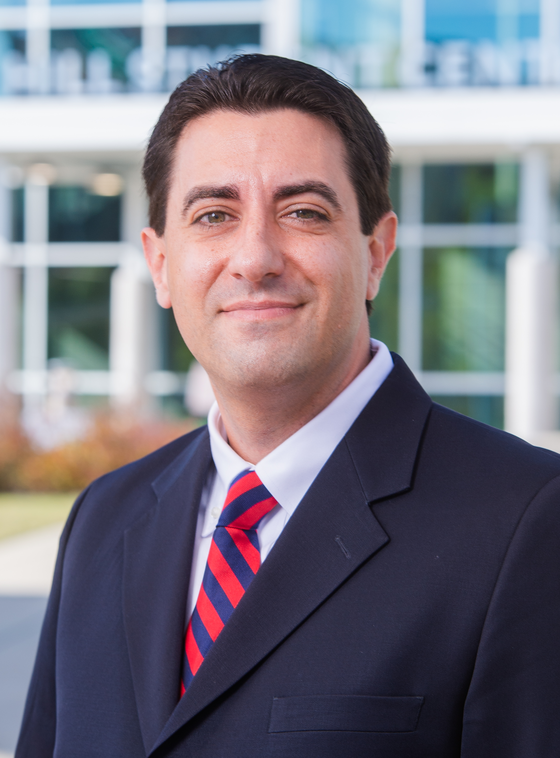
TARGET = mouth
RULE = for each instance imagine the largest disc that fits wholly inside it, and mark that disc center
(263, 310)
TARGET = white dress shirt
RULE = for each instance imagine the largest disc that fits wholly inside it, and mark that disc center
(288, 471)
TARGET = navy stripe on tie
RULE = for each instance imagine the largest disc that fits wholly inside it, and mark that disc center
(253, 538)
(242, 503)
(187, 673)
(218, 597)
(234, 570)
(203, 639)
(240, 567)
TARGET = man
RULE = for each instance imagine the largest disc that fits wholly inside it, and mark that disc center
(382, 579)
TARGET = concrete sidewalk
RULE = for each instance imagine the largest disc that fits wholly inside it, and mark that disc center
(26, 569)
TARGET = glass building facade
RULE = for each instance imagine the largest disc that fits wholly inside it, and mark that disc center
(71, 215)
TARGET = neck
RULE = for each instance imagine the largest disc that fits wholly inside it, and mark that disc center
(258, 420)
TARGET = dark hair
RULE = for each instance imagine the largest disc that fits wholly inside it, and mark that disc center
(256, 83)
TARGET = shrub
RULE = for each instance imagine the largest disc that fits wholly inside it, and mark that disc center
(111, 442)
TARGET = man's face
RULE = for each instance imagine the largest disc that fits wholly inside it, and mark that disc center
(262, 258)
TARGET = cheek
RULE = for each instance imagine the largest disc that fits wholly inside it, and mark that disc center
(346, 275)
(322, 264)
(191, 276)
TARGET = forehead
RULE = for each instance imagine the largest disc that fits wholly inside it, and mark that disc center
(266, 148)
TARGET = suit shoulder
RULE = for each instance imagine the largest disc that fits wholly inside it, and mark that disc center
(457, 436)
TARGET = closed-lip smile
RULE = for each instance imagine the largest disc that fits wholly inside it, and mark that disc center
(258, 310)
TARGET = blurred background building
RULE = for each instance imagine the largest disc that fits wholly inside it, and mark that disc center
(468, 93)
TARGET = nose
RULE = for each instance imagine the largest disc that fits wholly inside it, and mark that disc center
(257, 253)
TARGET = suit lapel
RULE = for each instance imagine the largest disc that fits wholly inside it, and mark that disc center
(331, 534)
(157, 561)
(385, 439)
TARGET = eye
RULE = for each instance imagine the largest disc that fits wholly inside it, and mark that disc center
(307, 214)
(214, 217)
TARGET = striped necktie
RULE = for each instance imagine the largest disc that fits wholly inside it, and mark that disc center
(233, 561)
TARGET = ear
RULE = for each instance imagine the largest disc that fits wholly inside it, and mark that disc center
(381, 242)
(155, 252)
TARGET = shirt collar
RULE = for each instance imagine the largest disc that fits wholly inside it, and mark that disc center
(290, 469)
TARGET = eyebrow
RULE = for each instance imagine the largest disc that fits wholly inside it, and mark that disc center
(319, 188)
(225, 192)
(231, 192)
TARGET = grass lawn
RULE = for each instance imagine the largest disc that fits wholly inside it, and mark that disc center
(21, 512)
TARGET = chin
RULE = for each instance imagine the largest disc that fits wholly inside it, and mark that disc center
(264, 369)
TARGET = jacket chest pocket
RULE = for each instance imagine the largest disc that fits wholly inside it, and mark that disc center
(352, 713)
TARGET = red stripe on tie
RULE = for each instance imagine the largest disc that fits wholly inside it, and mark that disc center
(246, 548)
(252, 516)
(222, 566)
(241, 486)
(208, 615)
(194, 656)
(224, 575)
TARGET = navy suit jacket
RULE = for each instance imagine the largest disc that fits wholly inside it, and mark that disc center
(410, 608)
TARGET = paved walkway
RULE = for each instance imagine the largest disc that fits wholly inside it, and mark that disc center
(26, 568)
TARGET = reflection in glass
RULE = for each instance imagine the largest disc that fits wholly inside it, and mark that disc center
(92, 60)
(90, 2)
(193, 47)
(77, 215)
(481, 20)
(13, 67)
(215, 35)
(486, 408)
(384, 319)
(333, 24)
(10, 39)
(357, 40)
(78, 326)
(464, 309)
(470, 193)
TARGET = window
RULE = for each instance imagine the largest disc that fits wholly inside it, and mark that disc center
(470, 194)
(333, 24)
(464, 309)
(192, 47)
(482, 42)
(94, 60)
(215, 35)
(383, 322)
(357, 41)
(486, 408)
(481, 19)
(78, 326)
(90, 2)
(13, 66)
(17, 214)
(78, 215)
(175, 355)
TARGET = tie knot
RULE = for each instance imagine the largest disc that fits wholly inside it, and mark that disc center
(247, 502)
